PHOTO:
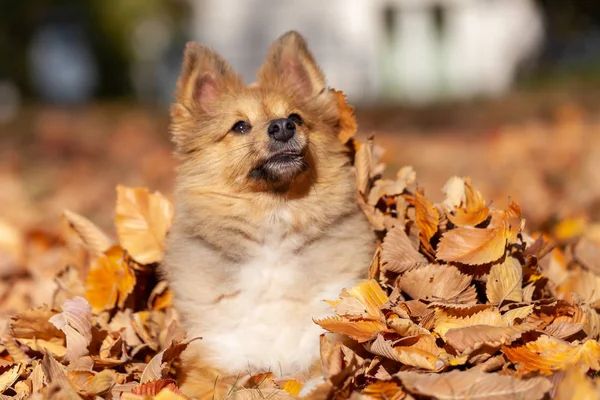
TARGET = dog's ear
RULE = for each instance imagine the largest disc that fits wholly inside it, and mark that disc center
(290, 63)
(204, 76)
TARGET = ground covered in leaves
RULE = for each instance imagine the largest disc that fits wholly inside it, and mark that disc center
(463, 300)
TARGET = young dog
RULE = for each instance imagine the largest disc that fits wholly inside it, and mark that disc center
(267, 225)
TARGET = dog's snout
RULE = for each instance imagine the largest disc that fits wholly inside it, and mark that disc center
(282, 129)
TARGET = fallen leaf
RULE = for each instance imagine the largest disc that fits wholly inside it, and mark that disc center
(422, 353)
(576, 385)
(426, 217)
(433, 282)
(89, 233)
(473, 246)
(548, 354)
(398, 254)
(474, 385)
(142, 221)
(156, 367)
(505, 281)
(347, 124)
(360, 330)
(109, 281)
(9, 377)
(469, 338)
(76, 322)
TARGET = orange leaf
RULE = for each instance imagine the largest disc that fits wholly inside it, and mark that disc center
(348, 125)
(360, 330)
(427, 218)
(142, 222)
(473, 246)
(548, 354)
(109, 281)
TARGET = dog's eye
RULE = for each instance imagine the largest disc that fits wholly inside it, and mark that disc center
(296, 118)
(241, 127)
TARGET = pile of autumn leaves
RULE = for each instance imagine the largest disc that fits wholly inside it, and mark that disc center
(460, 303)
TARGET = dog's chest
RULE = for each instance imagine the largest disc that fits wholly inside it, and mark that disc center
(264, 322)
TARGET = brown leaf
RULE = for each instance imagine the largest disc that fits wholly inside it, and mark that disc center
(444, 321)
(363, 163)
(76, 322)
(433, 282)
(470, 338)
(156, 367)
(587, 252)
(505, 282)
(142, 222)
(398, 254)
(383, 391)
(423, 353)
(89, 233)
(109, 281)
(152, 388)
(55, 374)
(474, 385)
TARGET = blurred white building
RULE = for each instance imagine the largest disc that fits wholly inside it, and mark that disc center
(412, 50)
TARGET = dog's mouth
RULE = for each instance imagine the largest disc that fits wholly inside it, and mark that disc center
(280, 167)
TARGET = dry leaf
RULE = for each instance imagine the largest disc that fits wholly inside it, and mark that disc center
(444, 320)
(422, 353)
(398, 254)
(8, 378)
(505, 281)
(76, 322)
(142, 221)
(360, 330)
(156, 367)
(109, 281)
(427, 218)
(473, 210)
(348, 125)
(470, 338)
(548, 354)
(473, 246)
(433, 282)
(472, 385)
(89, 233)
(576, 385)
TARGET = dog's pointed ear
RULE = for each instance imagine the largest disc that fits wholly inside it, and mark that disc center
(290, 63)
(204, 76)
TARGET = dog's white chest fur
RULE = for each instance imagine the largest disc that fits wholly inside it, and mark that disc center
(266, 321)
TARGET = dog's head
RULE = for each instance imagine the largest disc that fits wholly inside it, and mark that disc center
(260, 137)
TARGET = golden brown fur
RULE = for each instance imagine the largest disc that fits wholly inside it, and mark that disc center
(256, 245)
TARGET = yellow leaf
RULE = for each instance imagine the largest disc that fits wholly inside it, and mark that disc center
(9, 377)
(370, 294)
(293, 387)
(505, 281)
(576, 385)
(142, 221)
(109, 281)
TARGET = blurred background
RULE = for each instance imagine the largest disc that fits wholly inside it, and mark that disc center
(503, 91)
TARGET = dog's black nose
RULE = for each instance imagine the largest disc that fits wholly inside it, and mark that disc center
(282, 129)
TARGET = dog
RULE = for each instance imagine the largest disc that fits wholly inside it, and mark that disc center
(267, 224)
